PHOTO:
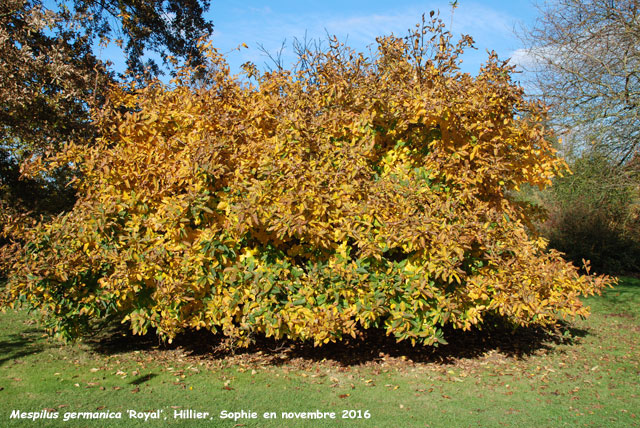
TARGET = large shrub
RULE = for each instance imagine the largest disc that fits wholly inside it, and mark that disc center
(347, 194)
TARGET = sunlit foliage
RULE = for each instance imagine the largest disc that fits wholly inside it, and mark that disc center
(346, 194)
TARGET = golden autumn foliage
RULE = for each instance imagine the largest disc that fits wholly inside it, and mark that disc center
(346, 194)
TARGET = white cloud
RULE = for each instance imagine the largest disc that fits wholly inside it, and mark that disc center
(523, 59)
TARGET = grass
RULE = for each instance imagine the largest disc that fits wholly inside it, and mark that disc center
(587, 374)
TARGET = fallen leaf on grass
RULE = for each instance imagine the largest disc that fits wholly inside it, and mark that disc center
(134, 390)
(344, 395)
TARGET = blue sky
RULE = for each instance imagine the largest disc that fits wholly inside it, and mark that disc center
(490, 23)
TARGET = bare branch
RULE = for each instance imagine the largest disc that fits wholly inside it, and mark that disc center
(586, 66)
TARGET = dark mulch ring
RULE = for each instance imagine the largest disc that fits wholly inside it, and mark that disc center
(371, 347)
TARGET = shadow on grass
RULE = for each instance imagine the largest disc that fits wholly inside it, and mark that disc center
(142, 379)
(19, 345)
(371, 346)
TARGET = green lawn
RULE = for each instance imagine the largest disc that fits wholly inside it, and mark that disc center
(586, 376)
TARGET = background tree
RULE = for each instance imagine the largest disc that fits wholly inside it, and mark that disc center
(51, 80)
(585, 64)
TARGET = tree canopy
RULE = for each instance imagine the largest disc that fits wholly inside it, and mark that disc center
(586, 60)
(51, 79)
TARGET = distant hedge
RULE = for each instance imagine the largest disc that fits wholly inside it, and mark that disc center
(346, 194)
(594, 214)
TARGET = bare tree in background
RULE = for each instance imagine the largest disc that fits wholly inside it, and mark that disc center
(584, 60)
(585, 56)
